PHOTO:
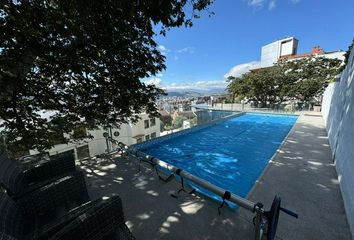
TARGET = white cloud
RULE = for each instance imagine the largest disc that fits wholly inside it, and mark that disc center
(240, 69)
(163, 49)
(272, 4)
(189, 50)
(154, 81)
(199, 85)
(256, 3)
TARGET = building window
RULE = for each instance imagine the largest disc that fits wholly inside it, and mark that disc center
(83, 152)
(152, 122)
(139, 140)
(147, 137)
(153, 135)
(146, 123)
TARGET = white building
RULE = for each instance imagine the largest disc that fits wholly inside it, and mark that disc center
(145, 129)
(275, 50)
(318, 52)
(286, 49)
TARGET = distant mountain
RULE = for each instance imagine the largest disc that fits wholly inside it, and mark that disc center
(214, 91)
(184, 94)
(194, 93)
(174, 94)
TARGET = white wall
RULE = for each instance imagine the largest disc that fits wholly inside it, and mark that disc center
(98, 144)
(271, 52)
(338, 114)
(334, 55)
(288, 47)
(139, 128)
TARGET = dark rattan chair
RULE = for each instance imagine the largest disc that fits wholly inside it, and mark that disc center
(62, 210)
(20, 177)
(41, 167)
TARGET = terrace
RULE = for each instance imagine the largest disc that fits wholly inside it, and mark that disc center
(81, 89)
(302, 173)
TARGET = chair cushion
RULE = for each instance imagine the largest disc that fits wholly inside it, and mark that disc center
(11, 219)
(11, 176)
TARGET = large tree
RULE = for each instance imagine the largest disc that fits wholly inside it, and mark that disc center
(71, 63)
(301, 79)
(310, 76)
(262, 85)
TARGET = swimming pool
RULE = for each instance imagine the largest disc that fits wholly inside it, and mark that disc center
(230, 154)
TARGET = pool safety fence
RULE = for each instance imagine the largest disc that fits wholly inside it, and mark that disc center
(151, 142)
(265, 222)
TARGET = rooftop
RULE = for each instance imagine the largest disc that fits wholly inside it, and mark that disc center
(317, 50)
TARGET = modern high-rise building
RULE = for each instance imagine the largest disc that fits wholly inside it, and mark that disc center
(278, 49)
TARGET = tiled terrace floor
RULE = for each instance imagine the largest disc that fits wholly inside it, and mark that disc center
(302, 173)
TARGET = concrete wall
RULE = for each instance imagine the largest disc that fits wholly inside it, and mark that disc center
(271, 52)
(288, 47)
(338, 114)
(334, 55)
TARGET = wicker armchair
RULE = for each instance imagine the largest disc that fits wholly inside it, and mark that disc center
(19, 177)
(43, 167)
(62, 210)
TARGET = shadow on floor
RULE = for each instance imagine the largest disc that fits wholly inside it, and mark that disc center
(151, 212)
(302, 173)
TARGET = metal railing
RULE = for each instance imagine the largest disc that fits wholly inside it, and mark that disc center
(264, 221)
(271, 108)
(199, 117)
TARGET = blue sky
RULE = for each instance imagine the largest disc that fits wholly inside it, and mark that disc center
(201, 56)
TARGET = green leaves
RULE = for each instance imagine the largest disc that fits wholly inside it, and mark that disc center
(178, 121)
(301, 79)
(310, 76)
(82, 61)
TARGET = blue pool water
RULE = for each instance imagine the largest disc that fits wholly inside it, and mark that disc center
(230, 154)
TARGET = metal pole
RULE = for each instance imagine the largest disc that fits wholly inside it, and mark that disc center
(107, 143)
(259, 222)
(111, 137)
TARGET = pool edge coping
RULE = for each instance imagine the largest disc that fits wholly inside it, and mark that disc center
(261, 176)
(274, 113)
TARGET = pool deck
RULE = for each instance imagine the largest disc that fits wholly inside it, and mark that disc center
(302, 173)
